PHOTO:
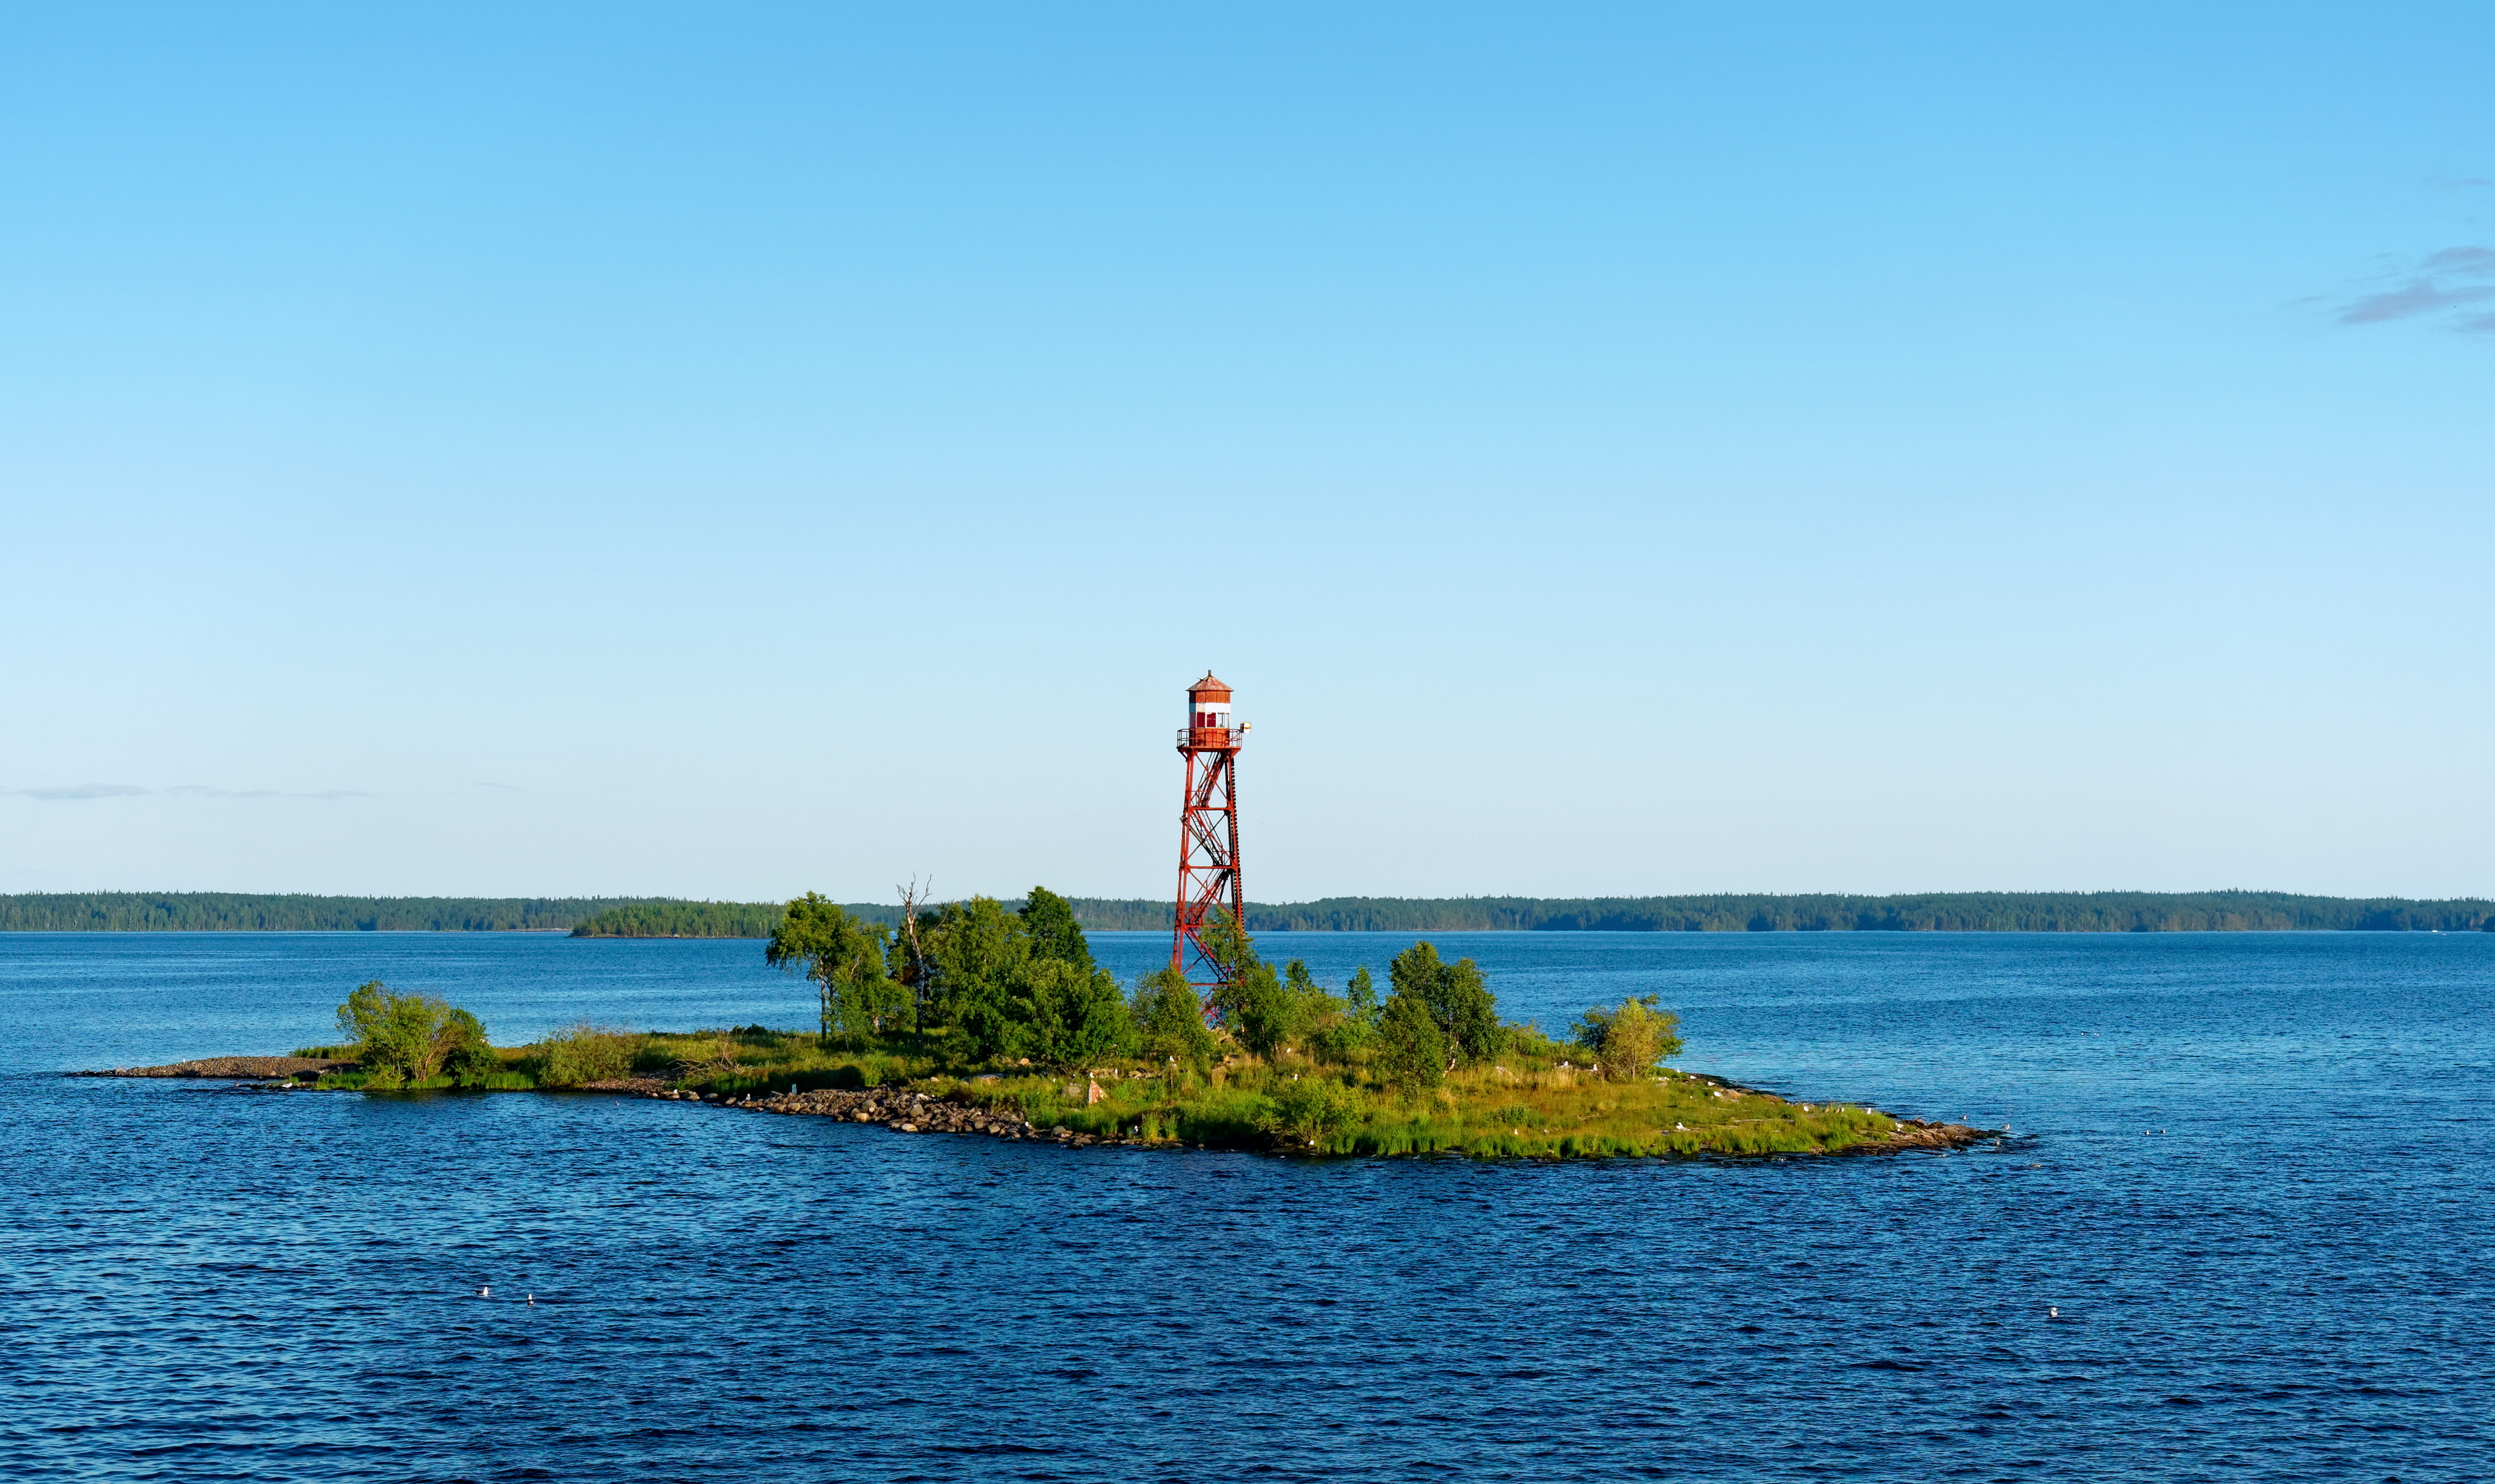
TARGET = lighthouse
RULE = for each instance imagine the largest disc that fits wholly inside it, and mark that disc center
(1208, 829)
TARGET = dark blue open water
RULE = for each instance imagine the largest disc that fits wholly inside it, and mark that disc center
(2288, 1283)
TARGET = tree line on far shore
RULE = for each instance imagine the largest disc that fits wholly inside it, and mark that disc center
(670, 917)
(296, 912)
(1938, 912)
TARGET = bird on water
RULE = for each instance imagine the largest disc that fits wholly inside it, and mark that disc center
(485, 1292)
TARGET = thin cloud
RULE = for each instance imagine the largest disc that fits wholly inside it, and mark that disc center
(2406, 303)
(2476, 260)
(2435, 288)
(65, 793)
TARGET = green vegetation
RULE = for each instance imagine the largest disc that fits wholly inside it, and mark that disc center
(414, 1040)
(1290, 1065)
(1932, 911)
(682, 920)
(1411, 1050)
(666, 918)
(846, 959)
(244, 912)
(1630, 1038)
(1310, 1112)
(1928, 912)
(1006, 1009)
(1170, 1032)
(581, 1054)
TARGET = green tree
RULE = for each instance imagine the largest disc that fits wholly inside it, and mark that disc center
(1353, 1026)
(682, 920)
(845, 955)
(1456, 997)
(1258, 1009)
(1049, 920)
(1627, 1041)
(1074, 1016)
(410, 1038)
(976, 952)
(1359, 996)
(1226, 942)
(1169, 1024)
(1411, 1052)
(1251, 1000)
(1334, 1028)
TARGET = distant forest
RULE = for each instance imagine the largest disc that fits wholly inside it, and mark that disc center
(254, 911)
(1930, 911)
(688, 919)
(651, 917)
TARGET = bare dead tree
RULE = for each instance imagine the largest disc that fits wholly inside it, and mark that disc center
(910, 896)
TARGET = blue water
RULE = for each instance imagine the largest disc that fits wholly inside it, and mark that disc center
(2289, 1281)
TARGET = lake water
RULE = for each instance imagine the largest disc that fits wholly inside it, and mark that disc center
(2288, 1281)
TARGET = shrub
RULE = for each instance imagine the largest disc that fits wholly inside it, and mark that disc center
(1224, 1120)
(1169, 1022)
(403, 1039)
(652, 1056)
(581, 1053)
(1340, 1029)
(1309, 1112)
(473, 1063)
(1627, 1041)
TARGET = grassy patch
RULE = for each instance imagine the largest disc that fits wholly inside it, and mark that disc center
(360, 1080)
(1535, 1101)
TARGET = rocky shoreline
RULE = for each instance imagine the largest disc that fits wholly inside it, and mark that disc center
(1915, 1133)
(905, 1110)
(231, 1066)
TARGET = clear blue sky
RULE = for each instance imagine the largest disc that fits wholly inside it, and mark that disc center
(728, 450)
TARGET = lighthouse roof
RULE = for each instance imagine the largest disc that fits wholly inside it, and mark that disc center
(1208, 684)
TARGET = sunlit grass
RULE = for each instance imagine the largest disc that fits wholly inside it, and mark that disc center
(1536, 1102)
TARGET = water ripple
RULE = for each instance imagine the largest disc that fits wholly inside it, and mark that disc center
(2284, 1287)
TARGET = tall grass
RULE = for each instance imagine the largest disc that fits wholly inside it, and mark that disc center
(1529, 1104)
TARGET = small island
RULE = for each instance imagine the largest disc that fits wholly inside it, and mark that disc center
(973, 1018)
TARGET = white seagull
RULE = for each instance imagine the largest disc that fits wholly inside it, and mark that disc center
(485, 1292)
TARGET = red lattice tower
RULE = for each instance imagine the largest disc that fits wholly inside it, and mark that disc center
(1208, 830)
